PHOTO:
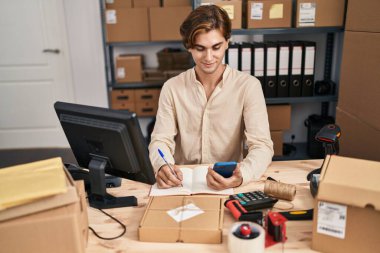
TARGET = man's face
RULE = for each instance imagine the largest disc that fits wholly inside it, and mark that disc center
(208, 51)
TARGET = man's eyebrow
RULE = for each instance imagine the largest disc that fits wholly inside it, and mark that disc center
(215, 45)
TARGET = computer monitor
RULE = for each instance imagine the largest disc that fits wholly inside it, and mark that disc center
(106, 141)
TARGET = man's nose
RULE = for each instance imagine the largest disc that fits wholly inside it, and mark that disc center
(209, 54)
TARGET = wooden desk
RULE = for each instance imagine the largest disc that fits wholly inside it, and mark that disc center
(298, 232)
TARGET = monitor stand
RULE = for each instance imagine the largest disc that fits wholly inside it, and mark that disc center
(98, 196)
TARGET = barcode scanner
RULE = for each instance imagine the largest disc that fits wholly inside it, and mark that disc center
(329, 135)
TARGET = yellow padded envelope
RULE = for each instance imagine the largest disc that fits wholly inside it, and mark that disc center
(27, 182)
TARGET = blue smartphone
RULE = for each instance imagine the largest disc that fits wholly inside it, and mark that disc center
(225, 169)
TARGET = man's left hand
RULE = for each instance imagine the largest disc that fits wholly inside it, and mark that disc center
(218, 182)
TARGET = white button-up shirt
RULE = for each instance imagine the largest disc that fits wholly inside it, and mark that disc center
(190, 129)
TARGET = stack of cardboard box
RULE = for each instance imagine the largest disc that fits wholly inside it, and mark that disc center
(279, 117)
(359, 89)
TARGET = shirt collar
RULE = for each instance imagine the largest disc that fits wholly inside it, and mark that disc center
(226, 72)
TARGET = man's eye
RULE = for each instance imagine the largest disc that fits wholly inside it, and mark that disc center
(199, 48)
(216, 48)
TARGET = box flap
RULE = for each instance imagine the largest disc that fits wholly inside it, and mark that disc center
(350, 181)
(54, 201)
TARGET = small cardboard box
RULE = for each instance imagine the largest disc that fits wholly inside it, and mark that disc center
(167, 3)
(279, 117)
(166, 21)
(129, 68)
(157, 226)
(269, 13)
(123, 99)
(277, 142)
(112, 4)
(233, 9)
(127, 24)
(320, 13)
(54, 224)
(363, 16)
(146, 108)
(143, 95)
(347, 207)
(146, 3)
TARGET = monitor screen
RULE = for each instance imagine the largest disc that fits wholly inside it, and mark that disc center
(106, 141)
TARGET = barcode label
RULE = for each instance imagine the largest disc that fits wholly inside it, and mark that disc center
(332, 219)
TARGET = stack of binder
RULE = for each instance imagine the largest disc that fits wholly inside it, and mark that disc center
(284, 68)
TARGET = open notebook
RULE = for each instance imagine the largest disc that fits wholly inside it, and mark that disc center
(194, 182)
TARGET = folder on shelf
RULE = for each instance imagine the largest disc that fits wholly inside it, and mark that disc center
(270, 84)
(257, 69)
(232, 55)
(245, 57)
(308, 62)
(283, 69)
(296, 50)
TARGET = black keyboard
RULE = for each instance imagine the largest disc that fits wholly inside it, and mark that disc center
(254, 200)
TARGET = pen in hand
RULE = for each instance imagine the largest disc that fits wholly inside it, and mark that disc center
(170, 167)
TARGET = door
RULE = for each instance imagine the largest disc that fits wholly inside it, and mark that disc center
(34, 73)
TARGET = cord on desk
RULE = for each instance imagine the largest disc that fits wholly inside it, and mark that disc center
(110, 238)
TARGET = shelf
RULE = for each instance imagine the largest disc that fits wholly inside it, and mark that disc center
(304, 30)
(301, 100)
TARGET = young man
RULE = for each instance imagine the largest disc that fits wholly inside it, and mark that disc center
(205, 112)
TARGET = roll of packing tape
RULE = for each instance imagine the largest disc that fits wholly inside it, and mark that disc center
(246, 237)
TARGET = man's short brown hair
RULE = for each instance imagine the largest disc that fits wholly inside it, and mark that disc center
(204, 19)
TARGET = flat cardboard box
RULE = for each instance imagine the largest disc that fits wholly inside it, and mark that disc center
(279, 117)
(358, 139)
(166, 21)
(232, 7)
(168, 3)
(320, 13)
(123, 99)
(143, 95)
(146, 3)
(146, 108)
(112, 4)
(277, 142)
(61, 227)
(274, 14)
(127, 24)
(129, 68)
(363, 16)
(157, 226)
(359, 87)
(347, 206)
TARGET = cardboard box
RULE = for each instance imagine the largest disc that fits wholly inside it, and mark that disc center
(123, 99)
(146, 108)
(269, 14)
(53, 224)
(168, 3)
(363, 15)
(154, 75)
(157, 226)
(112, 4)
(146, 3)
(129, 68)
(233, 8)
(277, 142)
(127, 24)
(358, 139)
(359, 89)
(279, 117)
(320, 13)
(165, 22)
(143, 95)
(347, 207)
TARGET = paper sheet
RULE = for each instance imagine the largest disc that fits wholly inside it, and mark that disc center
(186, 212)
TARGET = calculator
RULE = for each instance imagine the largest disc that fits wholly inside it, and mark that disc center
(254, 200)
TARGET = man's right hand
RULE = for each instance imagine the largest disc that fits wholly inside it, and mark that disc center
(166, 179)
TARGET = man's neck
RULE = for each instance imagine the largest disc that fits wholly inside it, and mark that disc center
(210, 80)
